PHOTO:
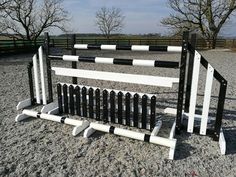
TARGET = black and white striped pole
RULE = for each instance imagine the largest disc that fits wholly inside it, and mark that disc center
(79, 124)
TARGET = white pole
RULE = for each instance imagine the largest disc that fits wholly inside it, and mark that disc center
(36, 79)
(52, 117)
(42, 74)
(135, 135)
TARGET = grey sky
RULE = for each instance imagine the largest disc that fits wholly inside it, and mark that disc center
(141, 16)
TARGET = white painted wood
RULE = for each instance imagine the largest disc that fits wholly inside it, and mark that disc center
(104, 60)
(172, 153)
(54, 111)
(138, 62)
(140, 48)
(23, 104)
(193, 96)
(197, 117)
(172, 131)
(81, 46)
(70, 58)
(117, 77)
(156, 128)
(49, 107)
(174, 49)
(135, 135)
(40, 52)
(54, 118)
(108, 47)
(36, 79)
(88, 132)
(79, 129)
(207, 99)
(21, 117)
(222, 142)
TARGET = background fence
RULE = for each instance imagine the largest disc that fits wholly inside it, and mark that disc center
(19, 46)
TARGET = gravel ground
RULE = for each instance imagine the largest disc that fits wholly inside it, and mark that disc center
(36, 147)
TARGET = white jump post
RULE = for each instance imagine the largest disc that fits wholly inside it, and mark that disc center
(36, 79)
(42, 75)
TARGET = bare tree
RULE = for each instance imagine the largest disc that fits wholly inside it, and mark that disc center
(109, 20)
(207, 16)
(29, 18)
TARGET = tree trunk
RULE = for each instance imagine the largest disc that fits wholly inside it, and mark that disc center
(214, 38)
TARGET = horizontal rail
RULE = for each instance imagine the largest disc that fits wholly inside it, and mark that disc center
(117, 77)
(117, 61)
(134, 135)
(129, 47)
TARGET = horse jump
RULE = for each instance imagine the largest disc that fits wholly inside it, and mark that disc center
(126, 107)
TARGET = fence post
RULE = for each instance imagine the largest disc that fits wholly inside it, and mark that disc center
(48, 63)
(190, 72)
(182, 81)
(73, 52)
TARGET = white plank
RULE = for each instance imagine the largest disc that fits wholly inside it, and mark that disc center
(36, 79)
(193, 97)
(207, 99)
(197, 117)
(117, 77)
(42, 75)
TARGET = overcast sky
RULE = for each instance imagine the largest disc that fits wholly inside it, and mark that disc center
(141, 16)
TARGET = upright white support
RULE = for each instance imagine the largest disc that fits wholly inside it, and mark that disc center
(36, 79)
(193, 97)
(40, 51)
(207, 99)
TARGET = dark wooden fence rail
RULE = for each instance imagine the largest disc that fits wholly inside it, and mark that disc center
(19, 46)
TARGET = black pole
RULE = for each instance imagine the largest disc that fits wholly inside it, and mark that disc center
(73, 52)
(48, 63)
(181, 81)
(135, 113)
(91, 103)
(59, 97)
(113, 106)
(220, 109)
(31, 87)
(190, 72)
